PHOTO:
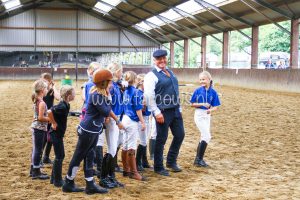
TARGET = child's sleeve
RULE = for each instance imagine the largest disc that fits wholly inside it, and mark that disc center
(216, 101)
(194, 97)
(138, 101)
(58, 109)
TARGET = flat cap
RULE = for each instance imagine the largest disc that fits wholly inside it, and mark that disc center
(159, 53)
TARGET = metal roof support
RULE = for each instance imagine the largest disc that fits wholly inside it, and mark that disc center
(275, 9)
(165, 21)
(206, 33)
(254, 47)
(154, 26)
(134, 16)
(217, 9)
(146, 10)
(294, 50)
(136, 50)
(202, 20)
(272, 21)
(88, 10)
(25, 7)
(206, 4)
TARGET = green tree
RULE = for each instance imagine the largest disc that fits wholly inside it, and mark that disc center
(272, 38)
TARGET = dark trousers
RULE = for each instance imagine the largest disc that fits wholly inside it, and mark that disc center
(173, 119)
(84, 151)
(58, 146)
(47, 143)
(37, 146)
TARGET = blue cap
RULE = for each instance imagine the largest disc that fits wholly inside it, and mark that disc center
(159, 53)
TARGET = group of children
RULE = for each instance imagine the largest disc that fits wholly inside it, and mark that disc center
(114, 109)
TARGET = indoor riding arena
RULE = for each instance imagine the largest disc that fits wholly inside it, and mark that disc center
(254, 148)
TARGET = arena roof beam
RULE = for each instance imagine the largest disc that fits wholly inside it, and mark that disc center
(208, 5)
(23, 8)
(268, 18)
(154, 26)
(186, 18)
(165, 21)
(220, 18)
(147, 10)
(197, 18)
(154, 14)
(89, 10)
(271, 7)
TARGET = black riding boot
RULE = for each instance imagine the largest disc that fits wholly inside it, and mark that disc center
(112, 175)
(196, 161)
(69, 186)
(151, 148)
(145, 162)
(104, 180)
(92, 188)
(99, 160)
(138, 158)
(201, 162)
(56, 170)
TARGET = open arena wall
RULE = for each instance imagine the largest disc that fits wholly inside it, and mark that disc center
(277, 80)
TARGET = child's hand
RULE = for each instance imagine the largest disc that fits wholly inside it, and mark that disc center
(54, 126)
(143, 126)
(209, 111)
(207, 105)
(120, 126)
(106, 120)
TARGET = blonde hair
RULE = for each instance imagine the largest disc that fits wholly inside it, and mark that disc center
(65, 91)
(140, 79)
(208, 75)
(130, 77)
(46, 76)
(93, 66)
(38, 86)
(113, 68)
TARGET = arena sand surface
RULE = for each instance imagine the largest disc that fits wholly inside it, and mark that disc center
(254, 152)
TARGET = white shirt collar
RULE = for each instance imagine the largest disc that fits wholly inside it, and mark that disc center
(159, 69)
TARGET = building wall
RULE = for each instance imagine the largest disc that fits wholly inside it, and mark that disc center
(67, 30)
(276, 80)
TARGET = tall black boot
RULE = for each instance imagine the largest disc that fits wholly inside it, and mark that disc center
(139, 152)
(37, 174)
(92, 188)
(196, 161)
(69, 186)
(117, 167)
(99, 160)
(56, 170)
(202, 149)
(145, 162)
(151, 148)
(112, 175)
(104, 180)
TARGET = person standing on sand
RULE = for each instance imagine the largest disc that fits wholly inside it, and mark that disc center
(206, 100)
(162, 98)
